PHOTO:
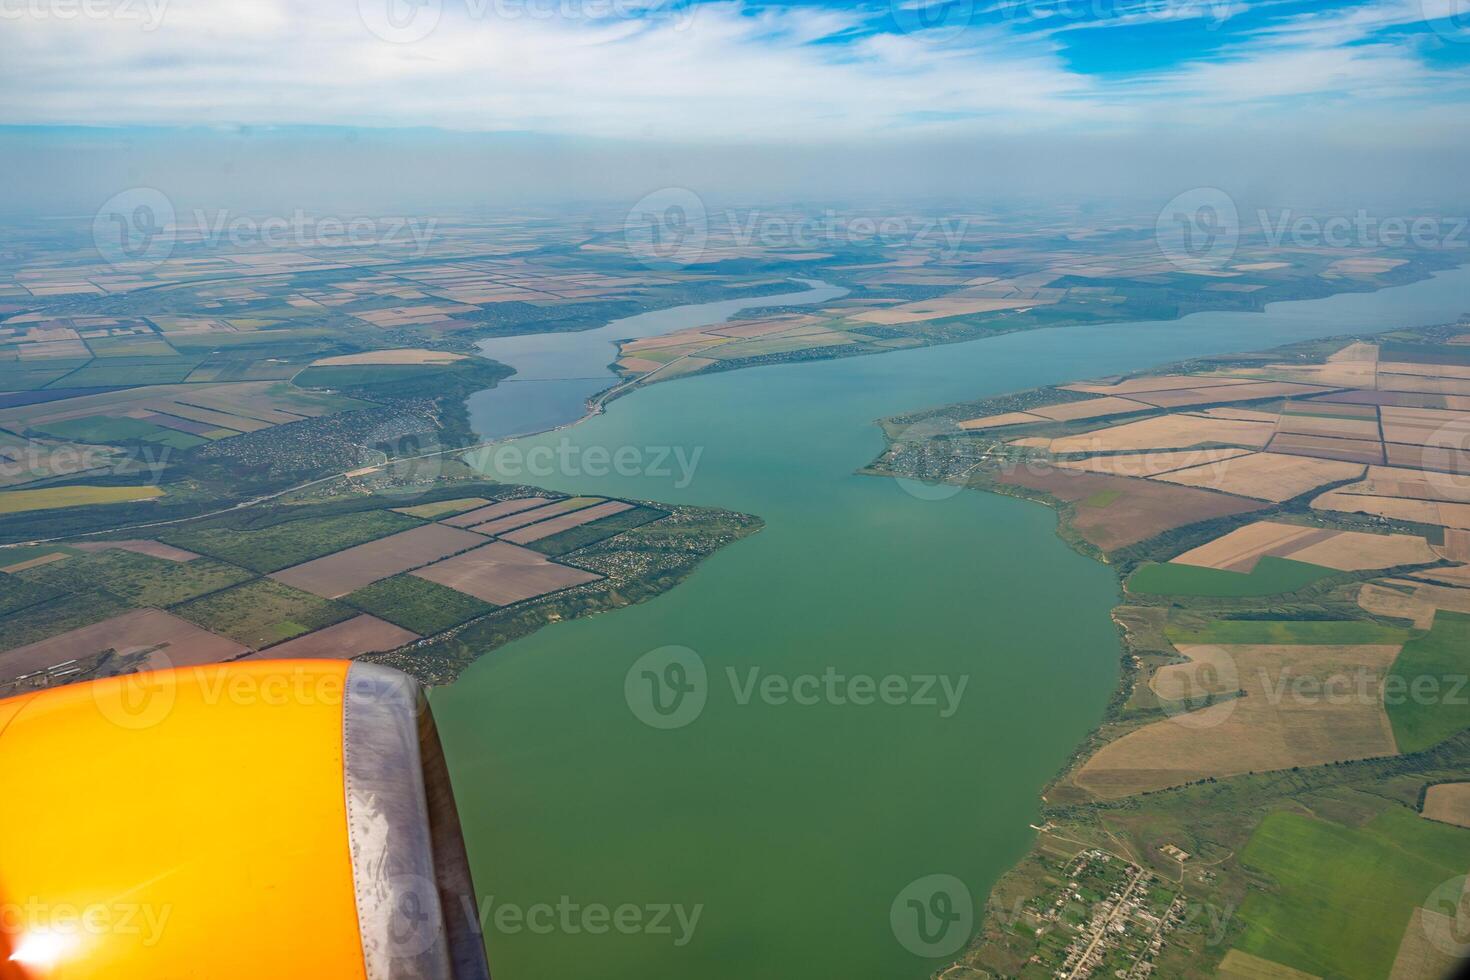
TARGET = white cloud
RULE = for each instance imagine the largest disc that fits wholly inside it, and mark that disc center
(639, 69)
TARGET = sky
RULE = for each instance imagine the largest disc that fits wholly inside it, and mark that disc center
(1027, 91)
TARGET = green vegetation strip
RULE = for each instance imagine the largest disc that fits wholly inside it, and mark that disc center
(417, 604)
(262, 612)
(1426, 690)
(588, 534)
(139, 580)
(278, 546)
(1374, 875)
(1297, 632)
(1271, 576)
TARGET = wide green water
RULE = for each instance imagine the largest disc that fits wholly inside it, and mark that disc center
(794, 827)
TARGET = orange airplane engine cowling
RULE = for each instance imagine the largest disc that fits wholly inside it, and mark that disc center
(283, 819)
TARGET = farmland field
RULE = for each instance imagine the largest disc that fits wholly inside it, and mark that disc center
(1325, 872)
(1232, 631)
(262, 612)
(279, 546)
(587, 534)
(19, 501)
(140, 580)
(1440, 658)
(1271, 576)
(417, 604)
(352, 568)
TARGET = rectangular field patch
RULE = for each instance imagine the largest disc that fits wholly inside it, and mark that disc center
(350, 569)
(503, 573)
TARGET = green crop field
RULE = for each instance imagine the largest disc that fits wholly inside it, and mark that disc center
(417, 604)
(1271, 576)
(1426, 691)
(1328, 875)
(580, 537)
(17, 593)
(131, 372)
(1233, 631)
(283, 545)
(262, 612)
(137, 579)
(44, 619)
(108, 428)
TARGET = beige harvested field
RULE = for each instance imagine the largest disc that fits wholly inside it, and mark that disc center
(1234, 393)
(1350, 551)
(1316, 425)
(1002, 420)
(179, 644)
(1426, 370)
(1031, 442)
(1317, 447)
(1398, 508)
(350, 569)
(639, 365)
(1389, 382)
(1168, 432)
(1165, 382)
(546, 529)
(1115, 511)
(1419, 957)
(1285, 719)
(1448, 803)
(500, 509)
(36, 562)
(1364, 267)
(1239, 550)
(341, 641)
(945, 306)
(1425, 426)
(403, 355)
(1238, 413)
(1092, 408)
(1358, 350)
(502, 573)
(1244, 966)
(1395, 481)
(1383, 601)
(155, 549)
(1265, 476)
(1144, 465)
(1456, 546)
(1434, 459)
(512, 521)
(441, 507)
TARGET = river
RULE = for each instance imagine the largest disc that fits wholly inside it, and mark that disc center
(792, 827)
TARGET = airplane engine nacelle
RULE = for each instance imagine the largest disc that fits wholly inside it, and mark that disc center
(285, 819)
